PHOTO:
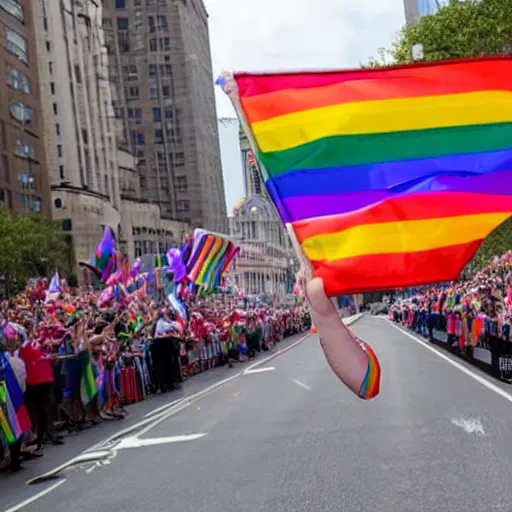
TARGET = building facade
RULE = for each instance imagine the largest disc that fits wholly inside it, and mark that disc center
(24, 185)
(267, 263)
(414, 9)
(94, 179)
(160, 64)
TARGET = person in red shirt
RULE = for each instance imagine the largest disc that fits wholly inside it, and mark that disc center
(40, 394)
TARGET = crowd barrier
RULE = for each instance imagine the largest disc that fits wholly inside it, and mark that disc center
(489, 347)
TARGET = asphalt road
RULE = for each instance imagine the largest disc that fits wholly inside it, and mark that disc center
(293, 439)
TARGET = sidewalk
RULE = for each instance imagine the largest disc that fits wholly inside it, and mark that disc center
(77, 443)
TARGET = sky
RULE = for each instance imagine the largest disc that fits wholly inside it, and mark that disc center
(272, 35)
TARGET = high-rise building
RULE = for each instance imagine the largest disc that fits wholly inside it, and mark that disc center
(23, 172)
(94, 181)
(414, 9)
(160, 63)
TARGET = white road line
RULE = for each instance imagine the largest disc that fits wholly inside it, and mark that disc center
(36, 497)
(301, 384)
(135, 442)
(159, 409)
(259, 370)
(462, 368)
(470, 425)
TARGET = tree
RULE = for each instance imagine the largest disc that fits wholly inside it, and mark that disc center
(471, 28)
(31, 247)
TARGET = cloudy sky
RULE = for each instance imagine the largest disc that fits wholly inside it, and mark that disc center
(269, 35)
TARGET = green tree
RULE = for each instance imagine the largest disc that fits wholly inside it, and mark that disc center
(31, 246)
(461, 29)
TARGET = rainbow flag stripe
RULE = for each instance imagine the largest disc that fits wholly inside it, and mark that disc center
(387, 178)
(371, 383)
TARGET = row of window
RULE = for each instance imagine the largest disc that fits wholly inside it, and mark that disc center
(136, 113)
(123, 4)
(155, 23)
(149, 247)
(138, 138)
(133, 93)
(162, 44)
(178, 158)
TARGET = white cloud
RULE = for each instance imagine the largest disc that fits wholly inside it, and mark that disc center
(270, 35)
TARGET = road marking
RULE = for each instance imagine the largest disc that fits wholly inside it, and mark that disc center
(259, 370)
(135, 442)
(36, 497)
(164, 407)
(462, 368)
(301, 384)
(470, 425)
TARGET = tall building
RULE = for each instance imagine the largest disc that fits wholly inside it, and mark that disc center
(23, 172)
(414, 9)
(94, 182)
(160, 63)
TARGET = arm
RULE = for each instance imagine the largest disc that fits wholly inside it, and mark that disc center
(351, 360)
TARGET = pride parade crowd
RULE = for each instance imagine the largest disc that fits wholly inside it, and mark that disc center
(67, 364)
(472, 318)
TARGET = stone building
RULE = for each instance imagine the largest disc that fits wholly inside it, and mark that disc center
(24, 185)
(267, 262)
(160, 64)
(94, 180)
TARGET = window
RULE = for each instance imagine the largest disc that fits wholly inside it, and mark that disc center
(57, 129)
(85, 136)
(168, 113)
(48, 46)
(21, 112)
(123, 43)
(165, 43)
(153, 45)
(135, 113)
(157, 115)
(18, 81)
(78, 75)
(181, 183)
(138, 249)
(55, 109)
(50, 68)
(17, 44)
(59, 150)
(165, 70)
(179, 159)
(122, 23)
(152, 69)
(159, 136)
(133, 92)
(153, 93)
(52, 87)
(61, 172)
(45, 24)
(13, 7)
(120, 4)
(151, 23)
(131, 72)
(162, 23)
(31, 203)
(66, 225)
(23, 149)
(166, 91)
(183, 206)
(140, 139)
(136, 3)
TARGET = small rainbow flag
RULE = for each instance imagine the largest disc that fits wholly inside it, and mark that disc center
(385, 178)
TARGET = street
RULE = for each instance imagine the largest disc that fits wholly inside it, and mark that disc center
(288, 436)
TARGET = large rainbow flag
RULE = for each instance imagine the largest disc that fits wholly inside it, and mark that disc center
(389, 177)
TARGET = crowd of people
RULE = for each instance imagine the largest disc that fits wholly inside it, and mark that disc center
(469, 316)
(67, 364)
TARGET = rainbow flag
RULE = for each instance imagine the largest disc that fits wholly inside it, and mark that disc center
(389, 177)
